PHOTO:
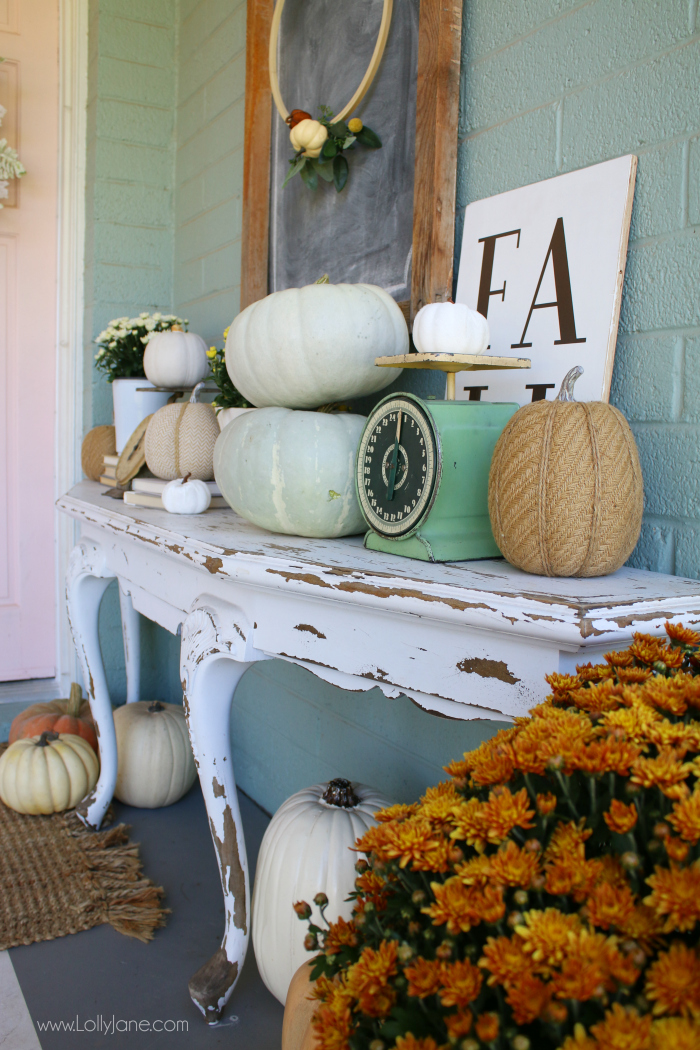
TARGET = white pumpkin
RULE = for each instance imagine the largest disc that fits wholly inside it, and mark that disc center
(225, 415)
(155, 765)
(176, 359)
(292, 472)
(306, 849)
(306, 347)
(450, 328)
(186, 496)
(47, 773)
(310, 136)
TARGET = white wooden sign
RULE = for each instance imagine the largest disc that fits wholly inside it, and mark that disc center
(545, 265)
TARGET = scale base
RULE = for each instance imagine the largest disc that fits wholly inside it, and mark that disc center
(427, 545)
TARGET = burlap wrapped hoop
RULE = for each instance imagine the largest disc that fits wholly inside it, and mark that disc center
(97, 443)
(565, 489)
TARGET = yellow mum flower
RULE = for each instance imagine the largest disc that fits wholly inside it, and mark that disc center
(686, 817)
(675, 1033)
(673, 982)
(676, 896)
(623, 1030)
(211, 352)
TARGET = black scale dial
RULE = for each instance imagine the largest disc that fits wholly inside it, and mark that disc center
(395, 485)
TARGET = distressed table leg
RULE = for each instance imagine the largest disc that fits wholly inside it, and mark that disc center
(131, 635)
(210, 675)
(86, 581)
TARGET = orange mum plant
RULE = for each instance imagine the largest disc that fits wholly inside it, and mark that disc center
(548, 895)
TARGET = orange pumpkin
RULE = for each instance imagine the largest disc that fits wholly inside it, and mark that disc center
(58, 716)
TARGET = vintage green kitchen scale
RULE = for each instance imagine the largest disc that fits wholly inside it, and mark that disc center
(422, 469)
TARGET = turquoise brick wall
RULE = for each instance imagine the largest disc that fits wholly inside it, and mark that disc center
(209, 168)
(553, 85)
(547, 86)
(132, 77)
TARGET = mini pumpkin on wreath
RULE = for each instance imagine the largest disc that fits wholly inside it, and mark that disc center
(320, 144)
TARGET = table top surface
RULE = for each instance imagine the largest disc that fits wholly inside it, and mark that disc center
(222, 536)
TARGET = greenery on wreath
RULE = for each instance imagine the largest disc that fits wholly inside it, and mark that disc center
(321, 145)
(548, 895)
(124, 340)
(11, 166)
(228, 396)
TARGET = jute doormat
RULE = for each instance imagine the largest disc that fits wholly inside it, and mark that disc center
(57, 877)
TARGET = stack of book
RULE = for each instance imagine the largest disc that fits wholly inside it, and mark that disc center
(146, 492)
(109, 471)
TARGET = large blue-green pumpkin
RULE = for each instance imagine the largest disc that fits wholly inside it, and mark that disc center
(291, 471)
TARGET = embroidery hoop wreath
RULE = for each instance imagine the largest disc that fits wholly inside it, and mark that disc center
(330, 163)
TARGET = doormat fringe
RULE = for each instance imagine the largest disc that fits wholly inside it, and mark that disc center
(58, 877)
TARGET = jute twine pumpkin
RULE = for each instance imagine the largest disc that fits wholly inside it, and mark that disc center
(180, 440)
(97, 443)
(565, 488)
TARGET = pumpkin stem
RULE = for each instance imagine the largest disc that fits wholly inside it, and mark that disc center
(155, 706)
(187, 477)
(339, 793)
(195, 393)
(75, 700)
(176, 328)
(566, 393)
(46, 737)
(323, 280)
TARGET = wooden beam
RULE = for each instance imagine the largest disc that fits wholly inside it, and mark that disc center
(437, 119)
(256, 154)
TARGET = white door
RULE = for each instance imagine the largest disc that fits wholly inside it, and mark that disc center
(29, 93)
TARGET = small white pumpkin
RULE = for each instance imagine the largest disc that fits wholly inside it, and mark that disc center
(186, 496)
(176, 359)
(47, 773)
(155, 765)
(450, 328)
(306, 849)
(180, 440)
(292, 472)
(305, 347)
(310, 136)
(225, 415)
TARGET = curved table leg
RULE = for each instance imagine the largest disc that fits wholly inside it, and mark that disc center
(210, 674)
(87, 579)
(131, 635)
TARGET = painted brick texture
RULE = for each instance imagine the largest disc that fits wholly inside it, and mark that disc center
(131, 152)
(209, 165)
(549, 86)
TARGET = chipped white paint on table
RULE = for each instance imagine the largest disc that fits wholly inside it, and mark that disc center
(463, 640)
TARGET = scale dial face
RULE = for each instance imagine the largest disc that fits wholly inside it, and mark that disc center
(396, 486)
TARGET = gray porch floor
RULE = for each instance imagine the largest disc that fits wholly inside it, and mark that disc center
(102, 973)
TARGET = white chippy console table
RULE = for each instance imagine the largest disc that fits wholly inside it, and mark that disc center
(463, 640)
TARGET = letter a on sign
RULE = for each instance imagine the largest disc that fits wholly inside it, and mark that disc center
(545, 264)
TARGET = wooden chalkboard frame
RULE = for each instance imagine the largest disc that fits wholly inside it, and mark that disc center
(437, 117)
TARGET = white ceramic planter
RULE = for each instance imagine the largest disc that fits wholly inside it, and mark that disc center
(227, 414)
(132, 404)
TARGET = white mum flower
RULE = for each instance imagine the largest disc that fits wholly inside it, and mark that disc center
(157, 316)
(150, 325)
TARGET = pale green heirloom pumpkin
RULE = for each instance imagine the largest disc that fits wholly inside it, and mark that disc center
(306, 347)
(292, 472)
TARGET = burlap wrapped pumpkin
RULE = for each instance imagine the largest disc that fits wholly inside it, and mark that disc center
(180, 440)
(565, 488)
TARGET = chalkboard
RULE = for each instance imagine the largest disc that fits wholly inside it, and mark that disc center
(365, 232)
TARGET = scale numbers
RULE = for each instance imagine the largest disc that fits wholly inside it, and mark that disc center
(396, 485)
